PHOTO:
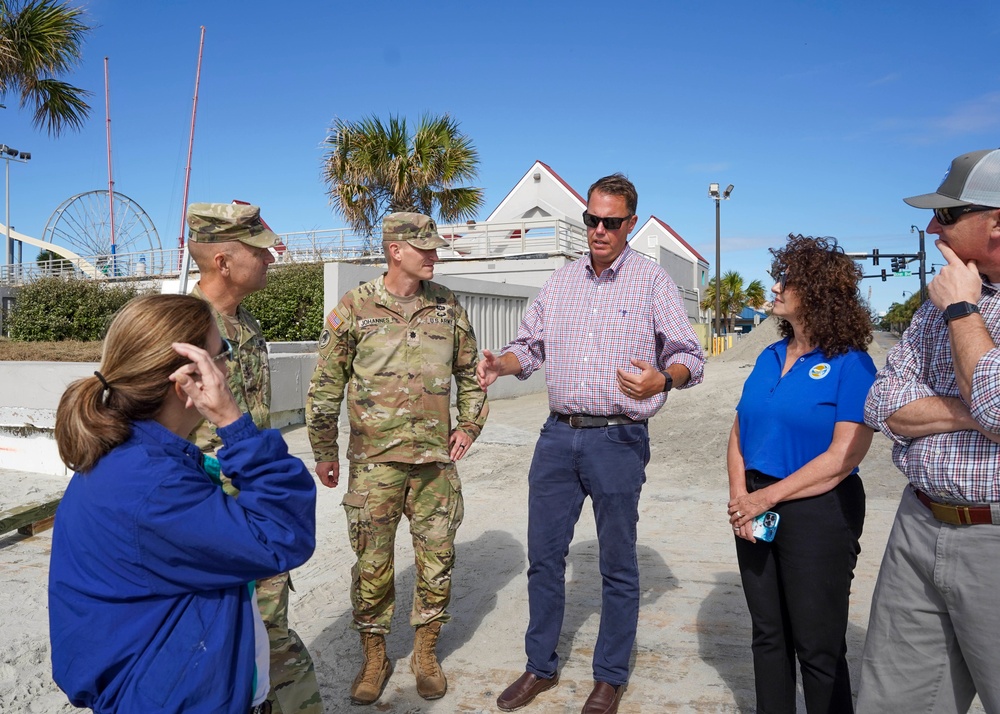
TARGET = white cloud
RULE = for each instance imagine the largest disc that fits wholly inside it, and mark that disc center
(978, 115)
(887, 79)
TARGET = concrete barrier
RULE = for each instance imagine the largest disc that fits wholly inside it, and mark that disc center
(30, 392)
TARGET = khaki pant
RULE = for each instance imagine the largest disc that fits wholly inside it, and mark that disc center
(294, 689)
(430, 495)
(935, 621)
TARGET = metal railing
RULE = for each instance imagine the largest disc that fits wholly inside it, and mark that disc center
(467, 241)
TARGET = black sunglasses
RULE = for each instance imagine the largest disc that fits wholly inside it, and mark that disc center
(228, 351)
(949, 216)
(781, 280)
(611, 223)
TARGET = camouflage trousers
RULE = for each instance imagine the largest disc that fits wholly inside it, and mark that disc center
(294, 688)
(430, 495)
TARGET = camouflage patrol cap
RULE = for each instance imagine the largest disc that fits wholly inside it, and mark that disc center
(418, 230)
(223, 222)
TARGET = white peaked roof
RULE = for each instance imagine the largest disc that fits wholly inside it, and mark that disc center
(681, 246)
(541, 192)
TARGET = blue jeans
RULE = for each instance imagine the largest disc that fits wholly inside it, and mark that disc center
(607, 464)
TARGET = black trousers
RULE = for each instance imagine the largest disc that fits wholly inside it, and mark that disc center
(797, 589)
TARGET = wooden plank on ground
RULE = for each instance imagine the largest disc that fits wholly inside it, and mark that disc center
(27, 515)
(37, 527)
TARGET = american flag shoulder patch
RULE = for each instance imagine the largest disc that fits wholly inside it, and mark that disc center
(334, 319)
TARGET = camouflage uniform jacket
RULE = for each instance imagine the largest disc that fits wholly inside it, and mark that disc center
(249, 376)
(397, 375)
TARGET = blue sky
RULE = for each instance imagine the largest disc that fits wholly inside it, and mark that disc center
(822, 114)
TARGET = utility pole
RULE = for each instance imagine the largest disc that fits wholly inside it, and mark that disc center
(923, 264)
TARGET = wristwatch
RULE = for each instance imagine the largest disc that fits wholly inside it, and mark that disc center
(959, 309)
(669, 383)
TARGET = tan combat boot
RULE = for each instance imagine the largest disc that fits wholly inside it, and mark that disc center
(375, 670)
(431, 682)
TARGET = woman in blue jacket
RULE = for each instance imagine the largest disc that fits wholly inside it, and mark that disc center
(151, 583)
(794, 449)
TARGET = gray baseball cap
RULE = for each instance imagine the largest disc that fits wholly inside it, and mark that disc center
(223, 222)
(972, 179)
(418, 230)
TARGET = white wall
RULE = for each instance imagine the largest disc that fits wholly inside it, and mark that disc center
(30, 392)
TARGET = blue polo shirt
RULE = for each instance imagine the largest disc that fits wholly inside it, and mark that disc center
(786, 422)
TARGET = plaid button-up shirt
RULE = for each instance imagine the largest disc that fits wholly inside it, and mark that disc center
(961, 466)
(584, 327)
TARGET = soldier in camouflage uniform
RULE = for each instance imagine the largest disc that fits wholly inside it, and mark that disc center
(231, 245)
(393, 345)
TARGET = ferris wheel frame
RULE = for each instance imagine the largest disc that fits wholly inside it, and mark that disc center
(82, 223)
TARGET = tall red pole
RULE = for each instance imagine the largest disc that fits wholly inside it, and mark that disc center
(194, 113)
(111, 182)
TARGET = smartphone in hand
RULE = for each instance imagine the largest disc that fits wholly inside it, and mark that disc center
(765, 525)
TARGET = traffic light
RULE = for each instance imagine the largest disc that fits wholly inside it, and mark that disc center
(897, 264)
(874, 256)
(883, 275)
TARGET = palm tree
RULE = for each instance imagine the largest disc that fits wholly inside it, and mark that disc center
(40, 40)
(734, 297)
(899, 315)
(374, 168)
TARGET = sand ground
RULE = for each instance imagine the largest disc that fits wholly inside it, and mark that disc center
(693, 647)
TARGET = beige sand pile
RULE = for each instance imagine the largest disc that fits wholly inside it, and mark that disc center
(749, 346)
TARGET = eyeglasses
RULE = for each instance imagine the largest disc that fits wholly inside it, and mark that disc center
(228, 350)
(781, 280)
(949, 216)
(611, 223)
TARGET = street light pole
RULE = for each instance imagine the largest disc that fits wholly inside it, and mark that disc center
(713, 192)
(9, 154)
(923, 263)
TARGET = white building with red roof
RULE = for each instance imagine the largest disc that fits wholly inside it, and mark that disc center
(538, 227)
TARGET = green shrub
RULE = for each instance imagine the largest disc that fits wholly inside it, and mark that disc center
(290, 308)
(54, 309)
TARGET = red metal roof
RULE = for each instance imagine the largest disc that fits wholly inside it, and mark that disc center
(559, 178)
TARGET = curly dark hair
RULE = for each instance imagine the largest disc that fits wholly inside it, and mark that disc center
(826, 283)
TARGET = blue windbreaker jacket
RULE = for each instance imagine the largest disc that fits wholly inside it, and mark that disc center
(149, 605)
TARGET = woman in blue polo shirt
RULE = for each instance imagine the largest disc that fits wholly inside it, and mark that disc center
(794, 449)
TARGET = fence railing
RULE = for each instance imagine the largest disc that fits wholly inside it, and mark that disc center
(467, 240)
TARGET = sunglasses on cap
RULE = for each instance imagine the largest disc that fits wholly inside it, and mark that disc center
(228, 351)
(611, 223)
(949, 216)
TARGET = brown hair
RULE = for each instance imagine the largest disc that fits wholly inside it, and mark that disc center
(826, 282)
(617, 185)
(136, 364)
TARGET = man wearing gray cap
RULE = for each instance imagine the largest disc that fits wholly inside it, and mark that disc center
(231, 245)
(394, 345)
(935, 624)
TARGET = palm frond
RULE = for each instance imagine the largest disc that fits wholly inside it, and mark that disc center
(399, 170)
(39, 41)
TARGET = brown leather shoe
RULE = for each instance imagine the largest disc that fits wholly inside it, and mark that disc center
(524, 690)
(603, 699)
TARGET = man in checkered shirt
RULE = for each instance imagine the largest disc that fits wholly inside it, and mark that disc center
(614, 337)
(934, 634)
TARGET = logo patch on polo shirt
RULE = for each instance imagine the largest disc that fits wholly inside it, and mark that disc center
(820, 370)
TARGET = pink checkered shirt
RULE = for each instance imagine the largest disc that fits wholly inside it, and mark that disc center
(584, 327)
(959, 466)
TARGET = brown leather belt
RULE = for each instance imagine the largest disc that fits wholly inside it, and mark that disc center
(957, 515)
(586, 421)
